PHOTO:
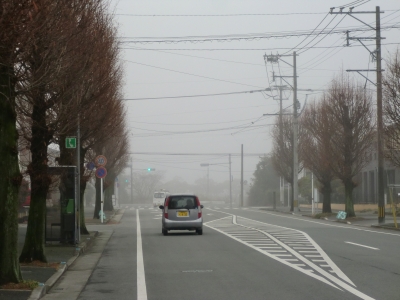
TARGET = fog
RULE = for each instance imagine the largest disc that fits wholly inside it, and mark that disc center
(174, 134)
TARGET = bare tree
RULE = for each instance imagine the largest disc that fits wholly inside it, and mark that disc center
(144, 184)
(350, 107)
(391, 96)
(315, 146)
(14, 18)
(282, 152)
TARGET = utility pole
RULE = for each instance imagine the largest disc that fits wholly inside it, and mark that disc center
(230, 183)
(131, 180)
(241, 180)
(295, 186)
(78, 185)
(381, 192)
(377, 54)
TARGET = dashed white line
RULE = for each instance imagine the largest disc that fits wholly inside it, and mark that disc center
(373, 248)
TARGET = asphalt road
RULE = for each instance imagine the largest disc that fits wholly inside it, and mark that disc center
(244, 254)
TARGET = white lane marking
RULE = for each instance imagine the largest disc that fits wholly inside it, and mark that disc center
(320, 223)
(363, 246)
(141, 279)
(327, 278)
(275, 257)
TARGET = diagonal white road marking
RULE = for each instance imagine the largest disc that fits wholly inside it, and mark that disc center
(317, 264)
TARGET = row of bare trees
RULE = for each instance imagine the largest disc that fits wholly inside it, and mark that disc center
(335, 138)
(59, 73)
(337, 134)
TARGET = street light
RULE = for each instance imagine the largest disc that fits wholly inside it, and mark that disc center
(230, 178)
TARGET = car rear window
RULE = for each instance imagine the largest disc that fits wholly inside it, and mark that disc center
(159, 195)
(177, 202)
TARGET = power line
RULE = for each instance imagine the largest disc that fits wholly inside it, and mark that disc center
(194, 96)
(238, 49)
(218, 15)
(216, 79)
(239, 37)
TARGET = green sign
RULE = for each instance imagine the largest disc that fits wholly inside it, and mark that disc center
(70, 142)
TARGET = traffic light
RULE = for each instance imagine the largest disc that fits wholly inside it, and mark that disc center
(126, 180)
(150, 169)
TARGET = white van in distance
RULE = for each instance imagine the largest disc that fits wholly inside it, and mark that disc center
(159, 197)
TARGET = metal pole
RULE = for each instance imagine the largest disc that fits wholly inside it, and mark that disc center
(241, 181)
(101, 200)
(295, 204)
(78, 185)
(381, 192)
(208, 182)
(131, 180)
(230, 183)
(312, 193)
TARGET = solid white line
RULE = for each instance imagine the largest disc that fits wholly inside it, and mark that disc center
(323, 223)
(362, 246)
(141, 280)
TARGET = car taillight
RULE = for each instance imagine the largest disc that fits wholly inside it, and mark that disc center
(199, 208)
(166, 208)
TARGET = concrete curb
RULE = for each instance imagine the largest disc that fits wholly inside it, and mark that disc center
(42, 290)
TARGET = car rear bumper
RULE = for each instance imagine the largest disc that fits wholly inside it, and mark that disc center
(182, 225)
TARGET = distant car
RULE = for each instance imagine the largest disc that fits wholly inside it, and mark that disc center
(182, 212)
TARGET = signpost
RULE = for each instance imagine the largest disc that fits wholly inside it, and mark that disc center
(70, 142)
(101, 172)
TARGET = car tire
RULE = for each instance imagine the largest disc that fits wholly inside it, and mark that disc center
(164, 231)
(199, 231)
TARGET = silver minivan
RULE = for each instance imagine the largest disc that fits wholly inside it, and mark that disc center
(182, 212)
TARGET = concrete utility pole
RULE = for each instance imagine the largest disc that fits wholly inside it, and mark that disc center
(377, 54)
(241, 180)
(230, 183)
(381, 192)
(295, 186)
(131, 179)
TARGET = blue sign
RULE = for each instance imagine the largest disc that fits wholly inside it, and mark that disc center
(101, 172)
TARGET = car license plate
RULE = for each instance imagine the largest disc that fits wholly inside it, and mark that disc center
(183, 214)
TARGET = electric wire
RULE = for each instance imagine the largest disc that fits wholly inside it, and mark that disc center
(216, 79)
(192, 96)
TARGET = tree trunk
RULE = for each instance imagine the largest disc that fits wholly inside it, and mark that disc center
(349, 205)
(83, 182)
(326, 192)
(108, 205)
(82, 222)
(10, 180)
(97, 205)
(34, 248)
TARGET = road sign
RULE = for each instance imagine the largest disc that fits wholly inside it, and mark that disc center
(100, 160)
(90, 166)
(101, 172)
(70, 142)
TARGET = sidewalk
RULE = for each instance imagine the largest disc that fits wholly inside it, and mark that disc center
(363, 218)
(59, 256)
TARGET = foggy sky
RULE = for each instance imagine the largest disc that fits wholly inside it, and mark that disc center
(220, 124)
